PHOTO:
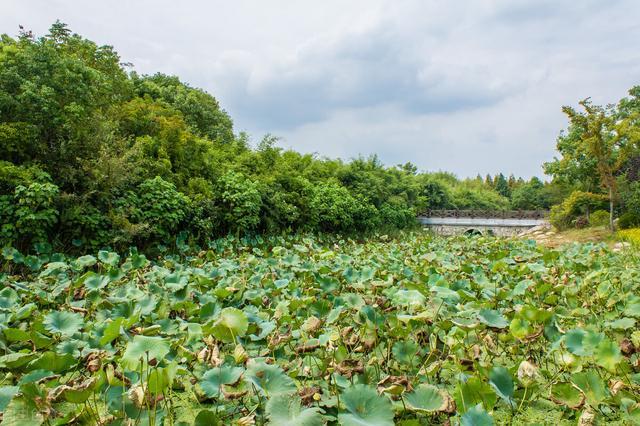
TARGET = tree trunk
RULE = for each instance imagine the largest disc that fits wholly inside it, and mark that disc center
(611, 209)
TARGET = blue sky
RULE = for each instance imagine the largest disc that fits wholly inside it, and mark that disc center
(466, 86)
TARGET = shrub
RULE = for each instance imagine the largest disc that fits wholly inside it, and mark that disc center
(241, 202)
(629, 220)
(34, 212)
(162, 206)
(564, 215)
(395, 215)
(599, 218)
(84, 224)
(332, 207)
(631, 235)
(631, 198)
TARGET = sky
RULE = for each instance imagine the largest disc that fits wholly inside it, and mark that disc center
(462, 86)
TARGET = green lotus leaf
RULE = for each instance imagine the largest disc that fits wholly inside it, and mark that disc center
(286, 410)
(232, 323)
(96, 281)
(567, 394)
(608, 355)
(65, 323)
(472, 392)
(364, 407)
(6, 394)
(34, 376)
(212, 381)
(111, 331)
(16, 359)
(405, 352)
(8, 298)
(476, 416)
(53, 361)
(633, 309)
(591, 385)
(16, 335)
(86, 261)
(161, 378)
(427, 398)
(492, 318)
(269, 379)
(109, 258)
(206, 418)
(520, 328)
(143, 348)
(409, 298)
(502, 382)
(22, 411)
(621, 324)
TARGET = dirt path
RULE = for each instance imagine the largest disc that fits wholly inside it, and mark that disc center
(549, 237)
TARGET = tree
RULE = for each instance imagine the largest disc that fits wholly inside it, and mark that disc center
(56, 97)
(528, 196)
(502, 186)
(597, 143)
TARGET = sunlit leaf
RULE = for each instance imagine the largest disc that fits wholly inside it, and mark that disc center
(65, 323)
(285, 410)
(363, 406)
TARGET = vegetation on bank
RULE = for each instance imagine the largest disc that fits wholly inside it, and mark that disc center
(304, 331)
(600, 162)
(630, 235)
(93, 155)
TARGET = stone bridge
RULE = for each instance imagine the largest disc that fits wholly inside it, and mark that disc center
(484, 222)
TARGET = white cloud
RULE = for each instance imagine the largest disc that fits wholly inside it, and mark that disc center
(463, 86)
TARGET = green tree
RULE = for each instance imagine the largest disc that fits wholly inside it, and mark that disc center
(528, 196)
(241, 201)
(55, 93)
(598, 143)
(502, 186)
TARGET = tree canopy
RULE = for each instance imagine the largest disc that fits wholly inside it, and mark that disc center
(94, 155)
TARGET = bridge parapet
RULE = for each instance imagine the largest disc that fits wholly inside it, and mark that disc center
(488, 214)
(499, 223)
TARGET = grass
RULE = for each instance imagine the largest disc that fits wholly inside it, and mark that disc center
(630, 235)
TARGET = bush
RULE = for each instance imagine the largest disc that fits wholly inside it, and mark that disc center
(83, 224)
(34, 212)
(241, 202)
(332, 208)
(599, 218)
(395, 215)
(564, 215)
(162, 207)
(631, 235)
(629, 220)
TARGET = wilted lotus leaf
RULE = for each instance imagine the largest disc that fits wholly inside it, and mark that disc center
(394, 385)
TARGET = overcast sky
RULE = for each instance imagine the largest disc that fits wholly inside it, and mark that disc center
(464, 86)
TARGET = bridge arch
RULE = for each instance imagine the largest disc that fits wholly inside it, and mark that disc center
(471, 232)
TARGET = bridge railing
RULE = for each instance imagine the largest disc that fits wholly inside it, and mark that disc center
(491, 214)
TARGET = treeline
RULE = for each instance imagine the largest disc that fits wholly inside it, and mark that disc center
(600, 164)
(93, 155)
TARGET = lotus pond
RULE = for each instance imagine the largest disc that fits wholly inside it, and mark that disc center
(302, 331)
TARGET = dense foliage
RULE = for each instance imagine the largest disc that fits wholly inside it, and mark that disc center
(303, 331)
(95, 156)
(600, 158)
